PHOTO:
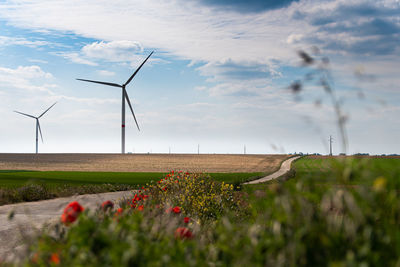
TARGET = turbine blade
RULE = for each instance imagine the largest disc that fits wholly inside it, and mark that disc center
(25, 114)
(133, 75)
(130, 106)
(105, 83)
(47, 110)
(40, 131)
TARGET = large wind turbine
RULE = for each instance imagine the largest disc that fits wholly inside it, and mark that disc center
(37, 124)
(124, 97)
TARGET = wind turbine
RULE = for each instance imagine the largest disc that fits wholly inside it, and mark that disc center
(37, 124)
(124, 97)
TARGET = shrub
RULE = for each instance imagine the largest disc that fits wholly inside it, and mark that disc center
(196, 194)
(32, 192)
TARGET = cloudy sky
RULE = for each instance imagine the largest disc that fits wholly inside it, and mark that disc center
(220, 75)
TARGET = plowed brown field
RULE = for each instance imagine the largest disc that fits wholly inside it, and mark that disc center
(142, 162)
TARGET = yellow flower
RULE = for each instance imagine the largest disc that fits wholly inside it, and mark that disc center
(379, 184)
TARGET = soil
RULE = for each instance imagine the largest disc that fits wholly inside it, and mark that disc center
(142, 162)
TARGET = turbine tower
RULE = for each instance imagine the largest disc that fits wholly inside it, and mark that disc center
(37, 124)
(124, 97)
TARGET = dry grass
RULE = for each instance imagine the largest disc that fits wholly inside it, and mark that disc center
(142, 162)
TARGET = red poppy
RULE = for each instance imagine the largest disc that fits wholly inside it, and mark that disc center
(186, 220)
(183, 233)
(176, 210)
(164, 188)
(71, 212)
(54, 258)
(119, 211)
(107, 205)
(140, 208)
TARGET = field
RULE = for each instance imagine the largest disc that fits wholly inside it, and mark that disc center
(210, 163)
(328, 212)
(28, 177)
(13, 179)
(324, 170)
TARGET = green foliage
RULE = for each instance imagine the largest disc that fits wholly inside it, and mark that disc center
(347, 216)
(12, 179)
(236, 178)
(34, 191)
(18, 186)
(15, 178)
(198, 195)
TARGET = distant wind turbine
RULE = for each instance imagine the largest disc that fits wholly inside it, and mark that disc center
(37, 124)
(124, 97)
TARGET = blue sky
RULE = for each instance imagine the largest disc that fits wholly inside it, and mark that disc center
(219, 76)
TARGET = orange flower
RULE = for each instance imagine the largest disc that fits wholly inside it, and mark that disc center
(119, 211)
(183, 233)
(71, 212)
(54, 258)
(140, 208)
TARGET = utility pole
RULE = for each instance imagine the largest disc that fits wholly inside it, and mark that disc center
(244, 149)
(198, 149)
(169, 150)
(330, 145)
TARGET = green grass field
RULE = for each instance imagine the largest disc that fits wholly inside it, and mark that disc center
(366, 169)
(329, 171)
(13, 179)
(18, 186)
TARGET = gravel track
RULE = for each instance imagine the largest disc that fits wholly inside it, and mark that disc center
(30, 217)
(285, 167)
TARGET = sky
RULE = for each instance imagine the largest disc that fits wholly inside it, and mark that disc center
(219, 79)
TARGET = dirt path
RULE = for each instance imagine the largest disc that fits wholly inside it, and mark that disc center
(30, 217)
(285, 167)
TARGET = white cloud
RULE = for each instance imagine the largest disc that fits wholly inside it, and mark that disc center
(114, 51)
(6, 41)
(90, 100)
(106, 73)
(25, 77)
(294, 38)
(76, 58)
(37, 61)
(29, 72)
(34, 80)
(188, 30)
